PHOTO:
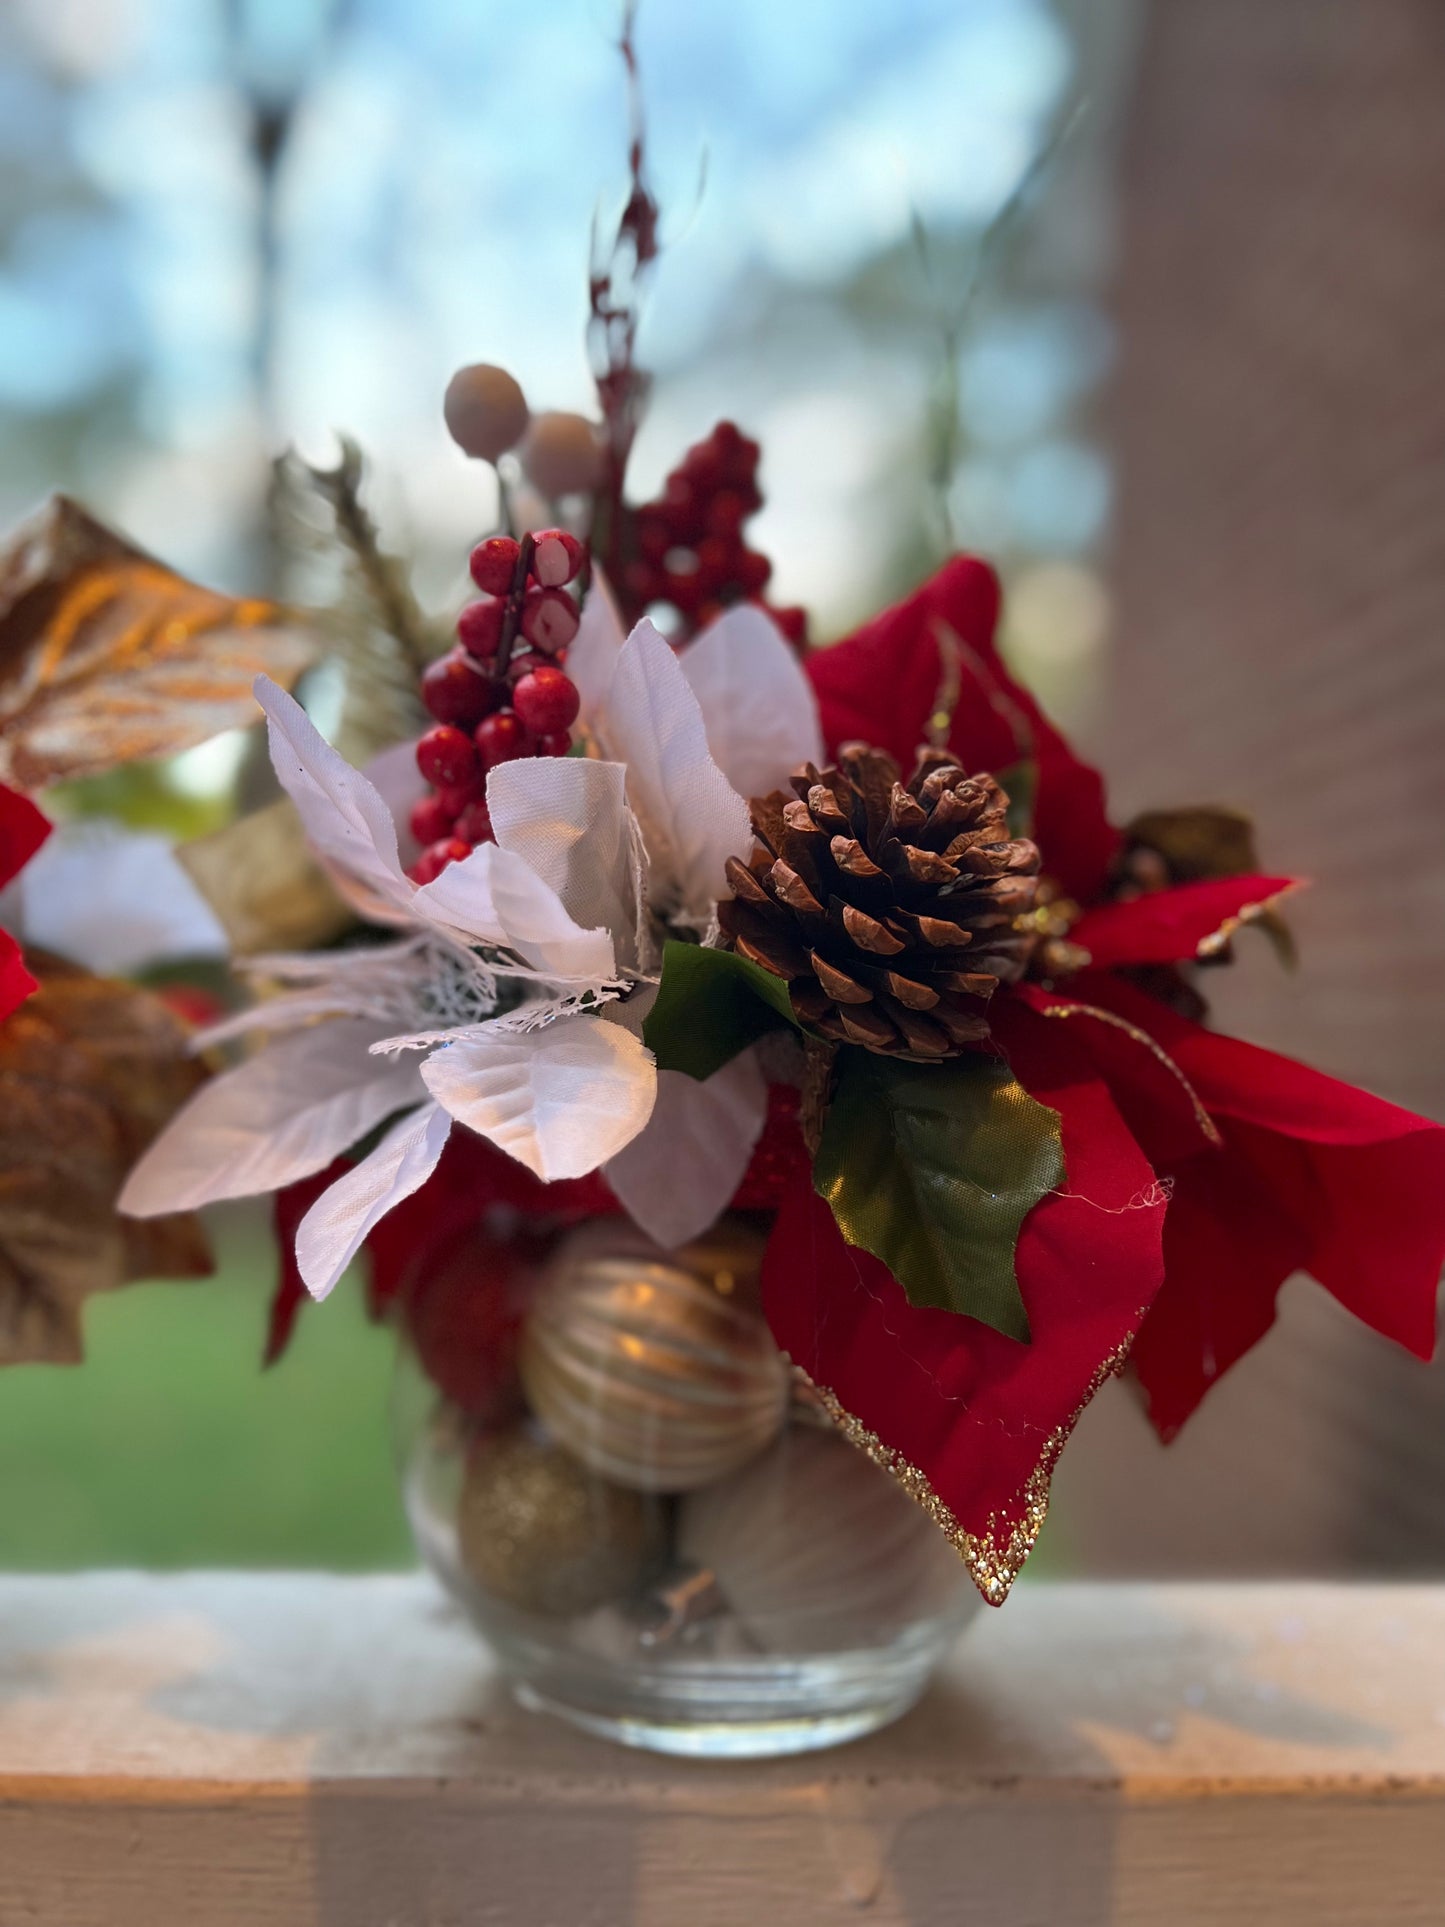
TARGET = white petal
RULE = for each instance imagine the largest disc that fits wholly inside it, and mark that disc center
(330, 1234)
(494, 897)
(567, 818)
(759, 707)
(114, 900)
(677, 1177)
(592, 657)
(280, 1116)
(346, 820)
(692, 818)
(394, 776)
(561, 1100)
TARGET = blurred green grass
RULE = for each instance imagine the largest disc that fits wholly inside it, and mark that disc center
(170, 1447)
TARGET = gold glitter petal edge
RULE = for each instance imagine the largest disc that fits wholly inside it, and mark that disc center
(1247, 913)
(996, 1556)
(1201, 1117)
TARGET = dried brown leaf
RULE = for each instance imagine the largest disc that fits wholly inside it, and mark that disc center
(90, 1070)
(260, 878)
(107, 656)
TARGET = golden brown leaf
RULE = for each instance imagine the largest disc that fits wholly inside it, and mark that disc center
(90, 1070)
(108, 657)
(260, 878)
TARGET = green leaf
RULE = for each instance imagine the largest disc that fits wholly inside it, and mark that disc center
(933, 1168)
(1021, 781)
(711, 1005)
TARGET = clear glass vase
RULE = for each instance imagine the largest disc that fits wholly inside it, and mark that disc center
(655, 1524)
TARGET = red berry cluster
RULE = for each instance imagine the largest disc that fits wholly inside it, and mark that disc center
(500, 693)
(687, 547)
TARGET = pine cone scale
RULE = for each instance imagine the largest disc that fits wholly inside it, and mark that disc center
(889, 909)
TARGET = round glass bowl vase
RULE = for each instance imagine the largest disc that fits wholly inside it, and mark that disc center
(656, 1526)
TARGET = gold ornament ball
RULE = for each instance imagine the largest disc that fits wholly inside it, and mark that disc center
(486, 411)
(562, 455)
(646, 1371)
(539, 1532)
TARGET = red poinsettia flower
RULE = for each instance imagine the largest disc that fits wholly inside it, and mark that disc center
(1201, 1172)
(22, 831)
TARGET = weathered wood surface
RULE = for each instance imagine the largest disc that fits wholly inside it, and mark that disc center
(302, 1751)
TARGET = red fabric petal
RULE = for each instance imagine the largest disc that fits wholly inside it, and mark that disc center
(1314, 1176)
(23, 829)
(982, 1417)
(1168, 926)
(16, 982)
(288, 1207)
(880, 686)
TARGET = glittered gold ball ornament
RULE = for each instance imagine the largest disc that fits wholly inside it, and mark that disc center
(485, 410)
(536, 1530)
(562, 455)
(814, 1547)
(646, 1371)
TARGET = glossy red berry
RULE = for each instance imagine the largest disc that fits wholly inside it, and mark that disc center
(454, 691)
(493, 563)
(430, 820)
(557, 744)
(501, 738)
(435, 858)
(445, 755)
(547, 701)
(556, 558)
(523, 662)
(479, 629)
(456, 796)
(549, 619)
(475, 823)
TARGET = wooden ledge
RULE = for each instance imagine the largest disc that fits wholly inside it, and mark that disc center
(306, 1751)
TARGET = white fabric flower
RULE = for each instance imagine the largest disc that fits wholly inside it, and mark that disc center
(512, 997)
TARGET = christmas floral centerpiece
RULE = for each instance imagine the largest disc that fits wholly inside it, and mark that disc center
(767, 1088)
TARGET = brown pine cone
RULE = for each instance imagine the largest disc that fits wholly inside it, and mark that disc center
(890, 910)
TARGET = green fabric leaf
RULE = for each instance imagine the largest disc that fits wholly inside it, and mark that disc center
(1021, 781)
(933, 1168)
(711, 1005)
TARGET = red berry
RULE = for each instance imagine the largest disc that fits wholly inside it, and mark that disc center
(726, 513)
(549, 619)
(642, 583)
(554, 745)
(475, 823)
(431, 820)
(479, 629)
(502, 737)
(751, 571)
(493, 563)
(456, 796)
(445, 755)
(523, 663)
(435, 858)
(683, 588)
(547, 701)
(454, 691)
(654, 537)
(793, 622)
(556, 558)
(715, 561)
(680, 500)
(726, 437)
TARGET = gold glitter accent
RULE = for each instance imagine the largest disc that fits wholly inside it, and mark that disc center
(1201, 1116)
(1248, 913)
(996, 1556)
